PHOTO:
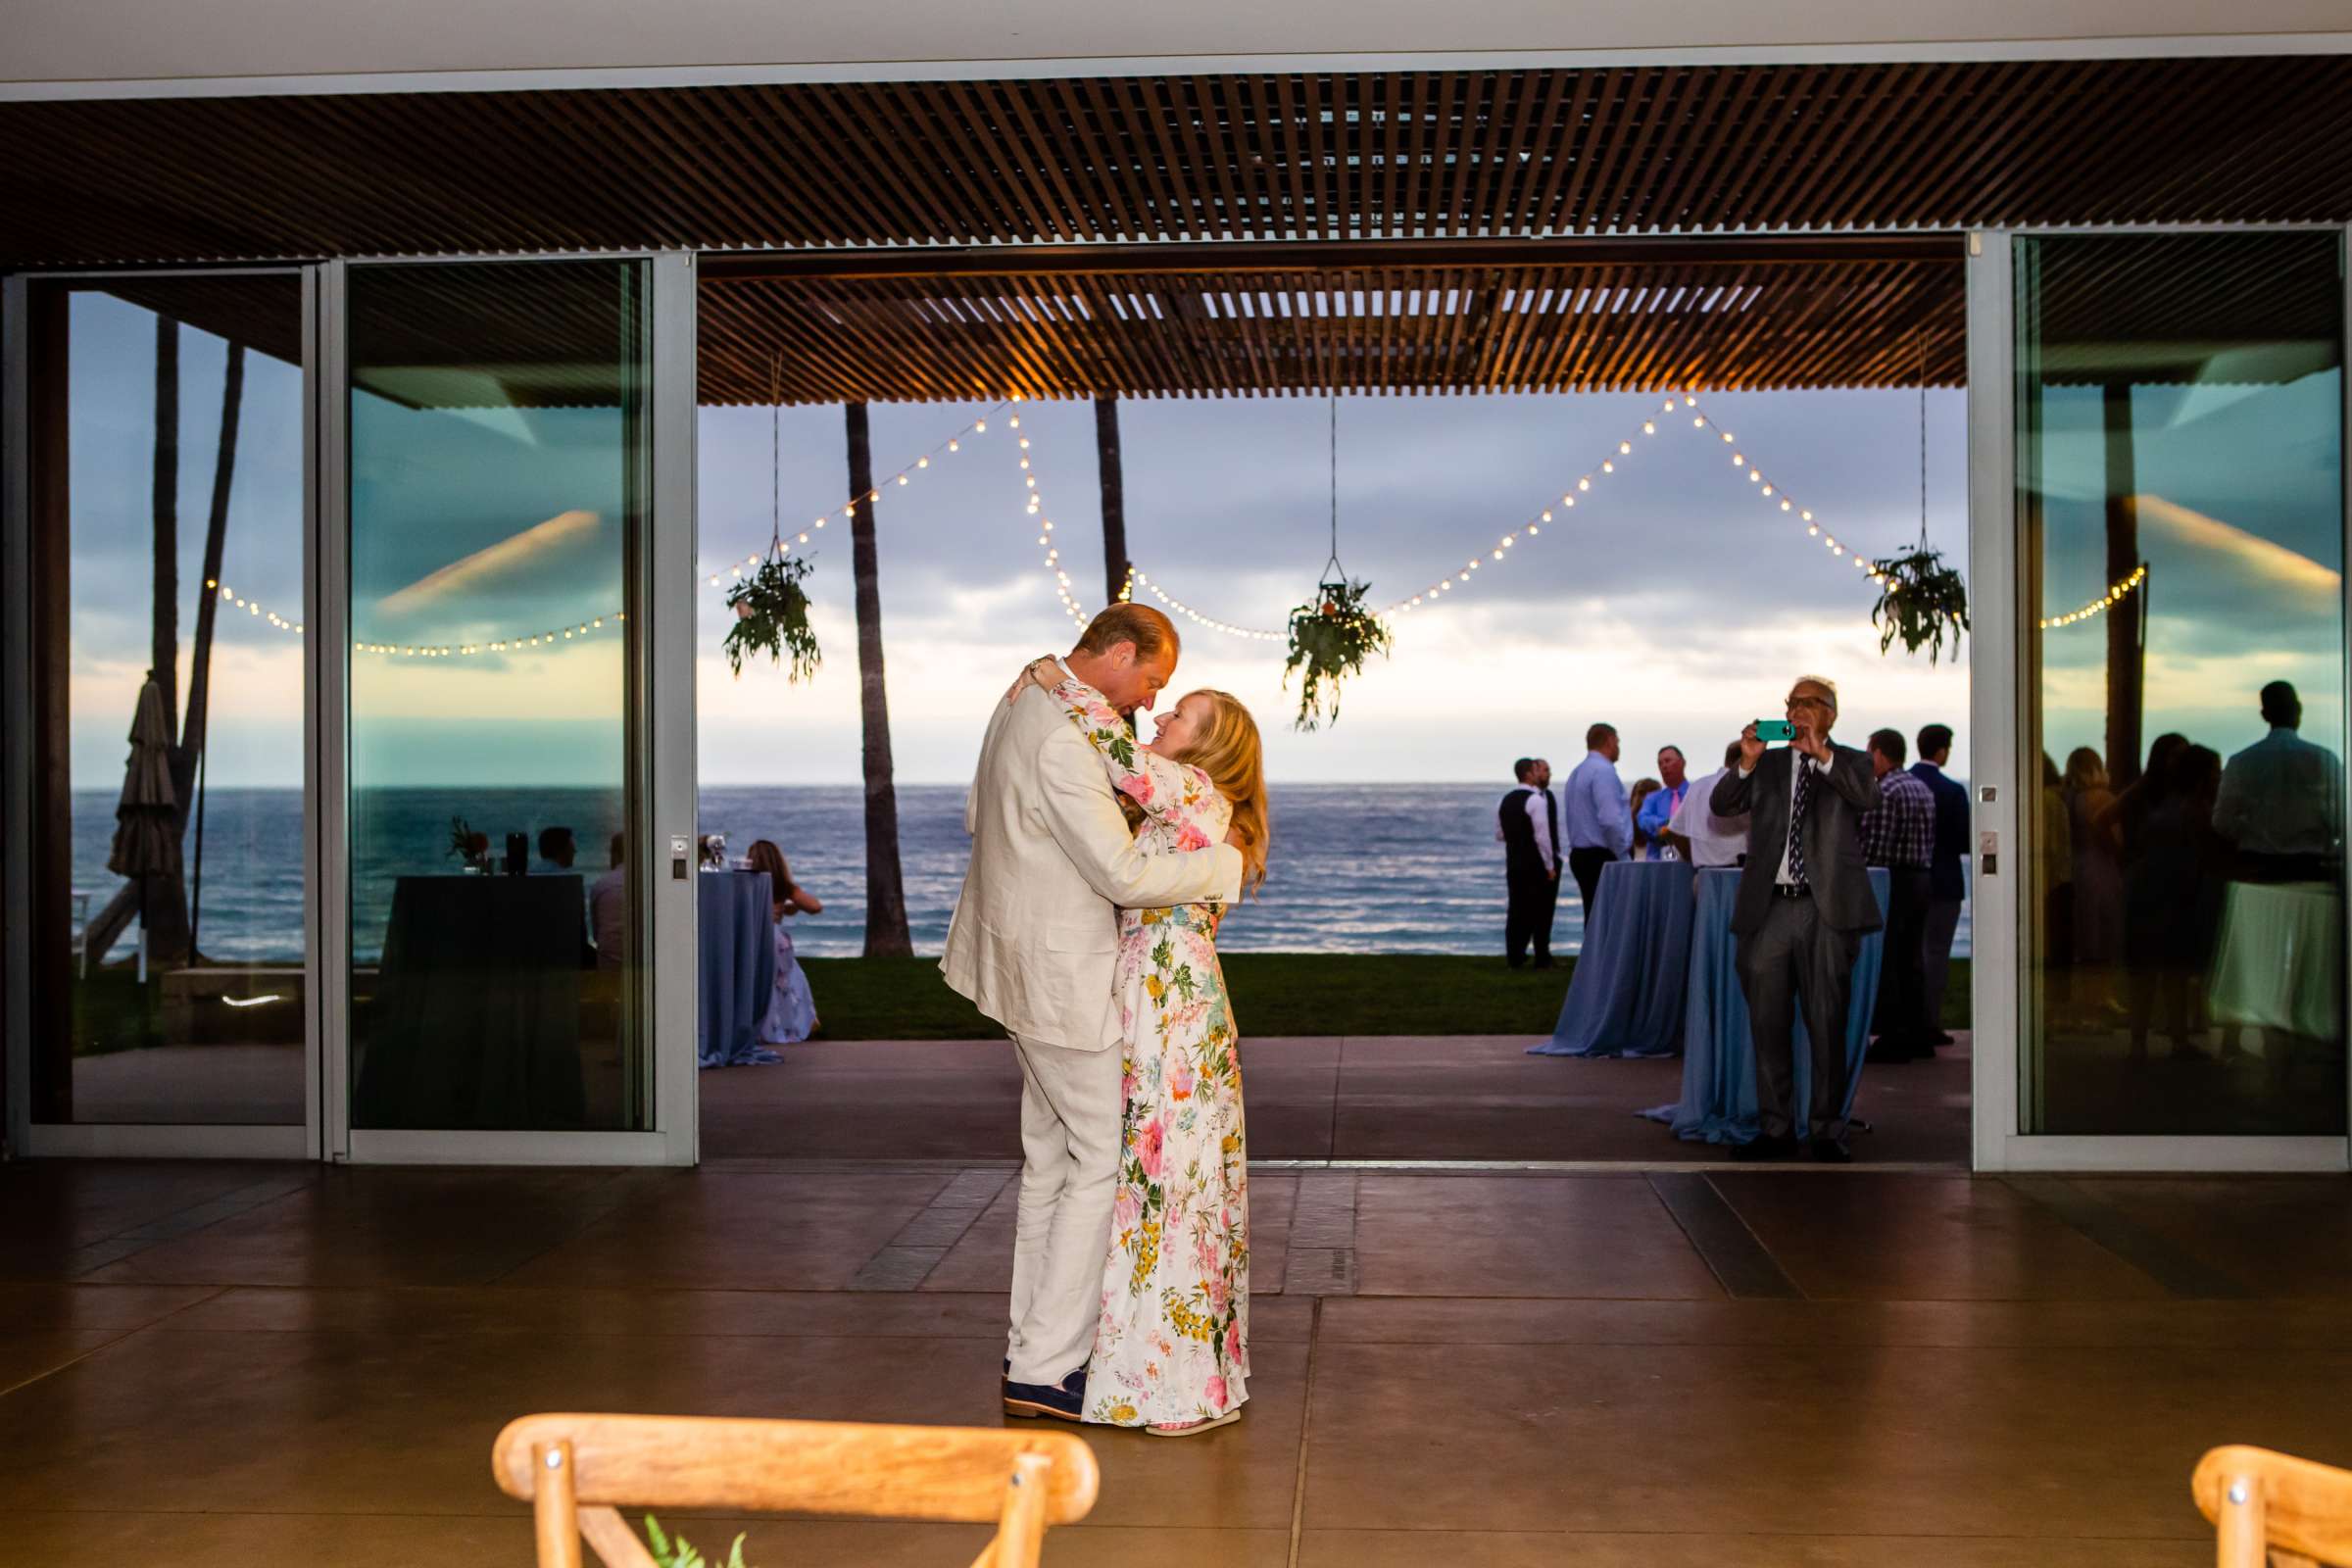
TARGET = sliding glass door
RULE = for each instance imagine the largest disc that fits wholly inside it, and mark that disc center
(159, 902)
(2172, 509)
(498, 826)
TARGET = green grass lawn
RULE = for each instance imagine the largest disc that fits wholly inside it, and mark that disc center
(1273, 993)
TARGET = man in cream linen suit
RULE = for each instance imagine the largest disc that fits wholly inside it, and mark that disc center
(1034, 945)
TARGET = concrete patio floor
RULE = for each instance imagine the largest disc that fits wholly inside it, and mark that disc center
(241, 1364)
(1353, 1097)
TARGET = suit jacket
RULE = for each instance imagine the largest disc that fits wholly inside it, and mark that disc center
(1034, 942)
(1833, 837)
(1947, 868)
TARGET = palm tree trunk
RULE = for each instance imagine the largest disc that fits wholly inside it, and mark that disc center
(163, 902)
(1115, 565)
(886, 934)
(2127, 684)
(185, 759)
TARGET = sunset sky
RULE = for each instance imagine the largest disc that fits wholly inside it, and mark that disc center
(1673, 602)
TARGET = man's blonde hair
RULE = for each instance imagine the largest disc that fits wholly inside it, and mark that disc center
(1146, 628)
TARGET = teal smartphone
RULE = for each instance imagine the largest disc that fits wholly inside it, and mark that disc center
(1775, 729)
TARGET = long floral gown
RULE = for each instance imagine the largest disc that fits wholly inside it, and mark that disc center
(1173, 1344)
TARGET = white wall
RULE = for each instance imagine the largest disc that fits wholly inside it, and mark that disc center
(59, 47)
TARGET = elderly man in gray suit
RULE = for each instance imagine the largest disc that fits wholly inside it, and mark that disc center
(1804, 905)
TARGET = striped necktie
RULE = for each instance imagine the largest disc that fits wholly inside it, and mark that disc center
(1796, 821)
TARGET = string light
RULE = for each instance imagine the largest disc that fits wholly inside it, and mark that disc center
(2115, 595)
(728, 577)
(1534, 526)
(1251, 633)
(1033, 504)
(578, 632)
(1780, 498)
(266, 616)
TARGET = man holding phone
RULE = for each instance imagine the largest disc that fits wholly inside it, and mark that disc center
(1804, 905)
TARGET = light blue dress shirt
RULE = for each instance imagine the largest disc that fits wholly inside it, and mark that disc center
(1597, 814)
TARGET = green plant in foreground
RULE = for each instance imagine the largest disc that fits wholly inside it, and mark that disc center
(1922, 601)
(678, 1554)
(1330, 637)
(771, 618)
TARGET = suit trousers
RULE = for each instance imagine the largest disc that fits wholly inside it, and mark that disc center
(1794, 960)
(1936, 959)
(1534, 899)
(1901, 1015)
(1585, 866)
(1071, 1111)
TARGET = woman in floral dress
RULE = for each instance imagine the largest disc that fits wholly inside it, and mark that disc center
(1172, 1351)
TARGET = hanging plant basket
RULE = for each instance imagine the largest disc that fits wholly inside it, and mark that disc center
(1922, 601)
(771, 618)
(1330, 637)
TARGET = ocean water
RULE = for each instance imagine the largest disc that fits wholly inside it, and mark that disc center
(1355, 868)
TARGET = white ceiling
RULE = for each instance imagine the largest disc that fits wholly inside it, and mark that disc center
(52, 48)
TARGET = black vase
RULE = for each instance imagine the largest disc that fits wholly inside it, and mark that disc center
(519, 853)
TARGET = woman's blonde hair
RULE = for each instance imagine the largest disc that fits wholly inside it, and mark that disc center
(1229, 751)
(766, 856)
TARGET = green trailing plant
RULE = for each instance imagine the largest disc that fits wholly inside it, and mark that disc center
(1920, 600)
(1330, 637)
(771, 618)
(677, 1554)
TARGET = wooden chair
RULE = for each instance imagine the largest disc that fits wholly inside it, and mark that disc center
(574, 1470)
(2273, 1510)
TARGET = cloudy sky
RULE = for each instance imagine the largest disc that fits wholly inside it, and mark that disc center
(1673, 602)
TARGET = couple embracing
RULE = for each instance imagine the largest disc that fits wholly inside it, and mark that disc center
(1087, 929)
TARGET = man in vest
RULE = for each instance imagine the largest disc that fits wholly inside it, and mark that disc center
(1529, 828)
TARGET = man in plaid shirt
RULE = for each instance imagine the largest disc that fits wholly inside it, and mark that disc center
(1899, 834)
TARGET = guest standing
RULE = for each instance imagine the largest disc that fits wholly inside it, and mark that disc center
(608, 909)
(1653, 818)
(2279, 800)
(1899, 834)
(1528, 823)
(2098, 915)
(791, 1010)
(1947, 873)
(1804, 905)
(1715, 840)
(2173, 886)
(1646, 848)
(1601, 821)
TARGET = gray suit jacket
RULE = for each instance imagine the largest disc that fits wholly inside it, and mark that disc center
(1833, 837)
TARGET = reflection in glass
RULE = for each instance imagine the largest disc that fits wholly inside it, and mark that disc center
(167, 423)
(495, 496)
(2180, 498)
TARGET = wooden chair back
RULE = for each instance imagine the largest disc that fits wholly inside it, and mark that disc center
(576, 1471)
(2272, 1509)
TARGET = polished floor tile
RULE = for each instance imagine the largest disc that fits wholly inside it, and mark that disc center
(1790, 1440)
(1491, 1549)
(810, 1232)
(2277, 1236)
(381, 1227)
(1535, 1366)
(1595, 1236)
(1924, 1237)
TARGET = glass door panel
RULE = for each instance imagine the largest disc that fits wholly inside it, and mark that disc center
(497, 452)
(2180, 427)
(166, 429)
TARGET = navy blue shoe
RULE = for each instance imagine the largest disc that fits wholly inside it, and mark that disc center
(1059, 1401)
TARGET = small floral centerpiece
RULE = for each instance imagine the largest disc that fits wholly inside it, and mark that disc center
(771, 617)
(1921, 600)
(1330, 637)
(470, 848)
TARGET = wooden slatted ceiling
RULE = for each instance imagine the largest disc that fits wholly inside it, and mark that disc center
(1261, 157)
(1239, 332)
